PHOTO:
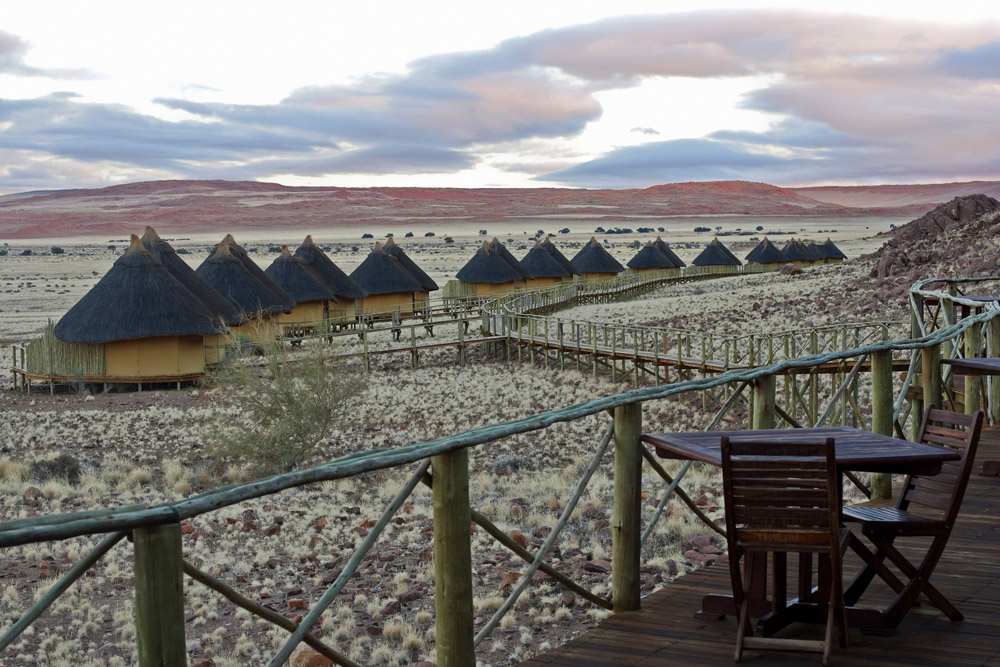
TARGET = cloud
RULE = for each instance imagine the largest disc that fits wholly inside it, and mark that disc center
(853, 97)
(12, 52)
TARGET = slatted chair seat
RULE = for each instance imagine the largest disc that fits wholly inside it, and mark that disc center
(927, 506)
(783, 497)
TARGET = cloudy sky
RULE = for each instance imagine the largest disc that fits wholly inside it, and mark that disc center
(520, 93)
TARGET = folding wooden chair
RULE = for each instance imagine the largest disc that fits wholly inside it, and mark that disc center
(927, 507)
(783, 497)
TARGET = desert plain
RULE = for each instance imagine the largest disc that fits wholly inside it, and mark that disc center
(283, 550)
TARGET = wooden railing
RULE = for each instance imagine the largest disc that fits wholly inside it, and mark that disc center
(442, 463)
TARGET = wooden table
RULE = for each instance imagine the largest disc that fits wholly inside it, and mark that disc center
(857, 450)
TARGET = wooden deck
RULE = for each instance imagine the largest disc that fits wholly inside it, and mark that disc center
(665, 631)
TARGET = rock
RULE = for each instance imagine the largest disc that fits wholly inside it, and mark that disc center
(374, 629)
(567, 599)
(199, 660)
(518, 537)
(186, 529)
(391, 608)
(303, 656)
(297, 604)
(32, 492)
(410, 596)
(702, 540)
(597, 565)
(790, 270)
(672, 567)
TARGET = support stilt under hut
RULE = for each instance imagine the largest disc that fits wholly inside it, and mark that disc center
(665, 248)
(349, 294)
(391, 288)
(545, 270)
(716, 257)
(594, 262)
(796, 252)
(767, 254)
(257, 298)
(312, 294)
(649, 259)
(215, 302)
(138, 323)
(487, 274)
(427, 285)
(549, 247)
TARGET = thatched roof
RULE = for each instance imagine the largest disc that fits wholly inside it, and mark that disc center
(664, 247)
(829, 250)
(765, 252)
(593, 258)
(716, 254)
(505, 255)
(240, 253)
(487, 266)
(342, 285)
(297, 277)
(650, 257)
(550, 247)
(796, 251)
(137, 298)
(425, 281)
(541, 264)
(381, 273)
(230, 277)
(194, 283)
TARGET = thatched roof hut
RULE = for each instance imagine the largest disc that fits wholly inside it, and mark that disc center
(343, 286)
(187, 276)
(716, 254)
(765, 252)
(390, 287)
(232, 279)
(593, 261)
(796, 252)
(425, 280)
(550, 247)
(830, 253)
(490, 273)
(312, 294)
(543, 264)
(649, 258)
(664, 247)
(240, 253)
(138, 322)
(501, 250)
(137, 298)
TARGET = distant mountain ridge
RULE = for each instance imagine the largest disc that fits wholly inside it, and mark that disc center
(198, 206)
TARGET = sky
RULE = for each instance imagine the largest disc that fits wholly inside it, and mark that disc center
(514, 94)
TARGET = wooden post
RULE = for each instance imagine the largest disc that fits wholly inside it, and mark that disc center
(461, 343)
(364, 344)
(159, 596)
(973, 394)
(882, 409)
(917, 405)
(763, 403)
(414, 360)
(453, 560)
(930, 358)
(813, 379)
(626, 514)
(993, 350)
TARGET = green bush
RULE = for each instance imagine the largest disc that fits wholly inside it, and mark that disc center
(56, 250)
(282, 409)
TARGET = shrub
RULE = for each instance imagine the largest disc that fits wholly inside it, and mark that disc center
(63, 466)
(367, 236)
(180, 251)
(26, 253)
(428, 235)
(56, 250)
(3, 252)
(283, 409)
(449, 240)
(409, 235)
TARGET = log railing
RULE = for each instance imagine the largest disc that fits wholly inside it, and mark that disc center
(442, 463)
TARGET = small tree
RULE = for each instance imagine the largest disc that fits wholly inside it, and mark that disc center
(56, 250)
(281, 409)
(367, 236)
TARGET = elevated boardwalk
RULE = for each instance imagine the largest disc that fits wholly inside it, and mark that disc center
(665, 631)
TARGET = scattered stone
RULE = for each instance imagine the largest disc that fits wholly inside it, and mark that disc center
(297, 604)
(303, 656)
(567, 599)
(519, 537)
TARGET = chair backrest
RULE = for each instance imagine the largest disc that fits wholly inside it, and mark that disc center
(944, 491)
(781, 496)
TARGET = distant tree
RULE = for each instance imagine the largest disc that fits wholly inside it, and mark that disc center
(428, 235)
(409, 235)
(636, 244)
(389, 235)
(699, 230)
(564, 230)
(719, 228)
(367, 236)
(56, 250)
(659, 229)
(759, 228)
(599, 230)
(26, 253)
(540, 232)
(3, 252)
(112, 248)
(482, 232)
(354, 248)
(449, 240)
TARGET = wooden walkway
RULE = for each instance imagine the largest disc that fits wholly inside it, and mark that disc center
(665, 631)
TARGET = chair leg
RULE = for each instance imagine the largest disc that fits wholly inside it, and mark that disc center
(828, 637)
(744, 608)
(926, 567)
(874, 564)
